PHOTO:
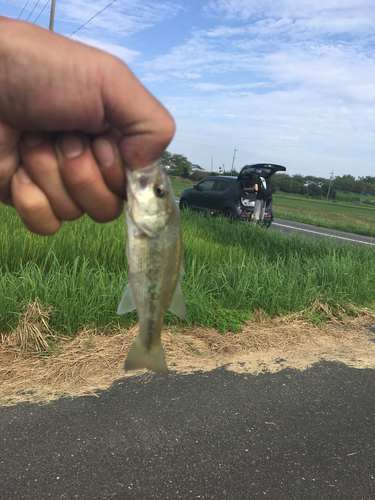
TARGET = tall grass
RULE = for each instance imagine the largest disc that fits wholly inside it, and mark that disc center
(340, 216)
(231, 271)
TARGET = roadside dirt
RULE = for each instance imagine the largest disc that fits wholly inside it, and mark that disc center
(95, 359)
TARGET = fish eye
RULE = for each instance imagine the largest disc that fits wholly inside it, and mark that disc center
(159, 190)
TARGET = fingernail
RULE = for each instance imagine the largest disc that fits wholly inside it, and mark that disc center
(104, 153)
(32, 139)
(71, 146)
(22, 176)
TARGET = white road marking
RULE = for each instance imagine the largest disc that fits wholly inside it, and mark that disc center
(322, 234)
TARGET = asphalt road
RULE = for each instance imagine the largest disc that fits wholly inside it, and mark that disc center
(218, 435)
(315, 233)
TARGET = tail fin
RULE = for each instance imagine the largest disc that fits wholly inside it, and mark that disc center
(141, 356)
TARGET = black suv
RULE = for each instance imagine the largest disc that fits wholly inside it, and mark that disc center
(224, 195)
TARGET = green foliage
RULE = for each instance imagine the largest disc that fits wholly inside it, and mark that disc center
(179, 184)
(319, 186)
(224, 320)
(232, 270)
(176, 164)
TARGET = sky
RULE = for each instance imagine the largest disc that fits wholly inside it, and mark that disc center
(281, 81)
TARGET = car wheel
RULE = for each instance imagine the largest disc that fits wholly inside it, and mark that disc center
(228, 213)
(184, 204)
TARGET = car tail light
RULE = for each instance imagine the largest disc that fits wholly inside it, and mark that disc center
(267, 213)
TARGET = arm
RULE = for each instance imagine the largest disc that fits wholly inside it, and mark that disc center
(70, 117)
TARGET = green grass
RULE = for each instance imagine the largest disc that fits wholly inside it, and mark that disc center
(179, 184)
(340, 216)
(353, 218)
(232, 270)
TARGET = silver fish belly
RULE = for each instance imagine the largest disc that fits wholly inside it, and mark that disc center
(155, 258)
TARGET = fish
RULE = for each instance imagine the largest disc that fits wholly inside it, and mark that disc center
(155, 257)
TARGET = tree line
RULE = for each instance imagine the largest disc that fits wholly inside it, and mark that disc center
(308, 185)
(320, 187)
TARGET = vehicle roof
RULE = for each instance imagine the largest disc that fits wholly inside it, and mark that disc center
(264, 165)
(219, 177)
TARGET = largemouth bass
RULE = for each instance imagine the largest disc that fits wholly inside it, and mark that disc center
(155, 258)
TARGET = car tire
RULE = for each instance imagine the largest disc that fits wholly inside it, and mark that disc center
(184, 204)
(228, 213)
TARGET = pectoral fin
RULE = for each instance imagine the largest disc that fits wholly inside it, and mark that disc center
(127, 302)
(182, 263)
(177, 305)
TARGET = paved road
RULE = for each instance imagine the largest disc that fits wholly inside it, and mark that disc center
(220, 435)
(316, 233)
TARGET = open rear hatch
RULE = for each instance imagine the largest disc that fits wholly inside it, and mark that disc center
(268, 169)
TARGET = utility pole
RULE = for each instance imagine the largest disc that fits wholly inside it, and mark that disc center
(52, 18)
(234, 155)
(330, 182)
(212, 162)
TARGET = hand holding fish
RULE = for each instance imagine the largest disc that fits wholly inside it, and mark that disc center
(70, 117)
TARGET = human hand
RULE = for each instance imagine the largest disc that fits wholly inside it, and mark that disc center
(71, 116)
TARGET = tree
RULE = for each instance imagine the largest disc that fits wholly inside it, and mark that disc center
(369, 179)
(176, 164)
(314, 190)
(359, 187)
(345, 183)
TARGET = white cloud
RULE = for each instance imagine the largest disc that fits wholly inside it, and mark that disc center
(186, 75)
(273, 53)
(121, 19)
(126, 55)
(244, 10)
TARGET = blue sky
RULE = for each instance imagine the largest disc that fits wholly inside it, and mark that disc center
(280, 81)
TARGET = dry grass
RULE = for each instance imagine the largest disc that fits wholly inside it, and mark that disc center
(94, 359)
(33, 333)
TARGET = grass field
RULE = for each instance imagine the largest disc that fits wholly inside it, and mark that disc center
(232, 270)
(179, 184)
(341, 216)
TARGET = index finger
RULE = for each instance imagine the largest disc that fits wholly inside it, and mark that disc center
(145, 125)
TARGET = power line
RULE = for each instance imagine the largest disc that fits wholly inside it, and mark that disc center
(245, 153)
(41, 12)
(87, 22)
(33, 10)
(203, 145)
(23, 9)
(216, 147)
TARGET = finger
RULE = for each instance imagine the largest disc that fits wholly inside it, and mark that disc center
(107, 155)
(32, 205)
(83, 179)
(9, 160)
(146, 126)
(39, 159)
